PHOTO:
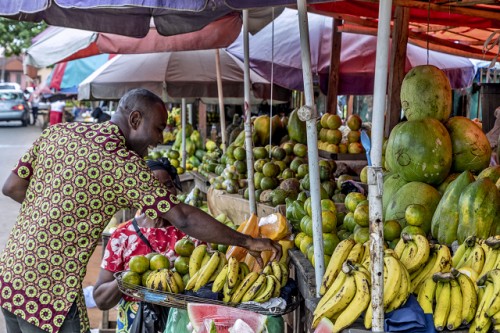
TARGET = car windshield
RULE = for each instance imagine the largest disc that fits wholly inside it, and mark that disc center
(10, 96)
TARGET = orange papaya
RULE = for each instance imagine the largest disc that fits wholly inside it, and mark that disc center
(249, 227)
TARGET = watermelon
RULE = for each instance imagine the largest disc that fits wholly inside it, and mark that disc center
(420, 150)
(224, 317)
(426, 92)
(325, 326)
(470, 146)
(413, 193)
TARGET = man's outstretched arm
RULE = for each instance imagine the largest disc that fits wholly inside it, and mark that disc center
(15, 187)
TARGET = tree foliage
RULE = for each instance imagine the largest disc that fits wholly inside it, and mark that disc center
(15, 36)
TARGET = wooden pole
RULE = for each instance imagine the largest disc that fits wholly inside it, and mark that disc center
(333, 78)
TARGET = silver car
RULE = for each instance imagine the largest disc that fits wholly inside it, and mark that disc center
(13, 106)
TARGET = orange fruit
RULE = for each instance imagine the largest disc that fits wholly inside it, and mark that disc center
(354, 122)
(298, 238)
(181, 265)
(353, 136)
(304, 244)
(334, 121)
(362, 235)
(329, 221)
(415, 214)
(144, 277)
(355, 148)
(330, 242)
(184, 247)
(361, 215)
(328, 204)
(324, 120)
(138, 264)
(300, 149)
(392, 230)
(159, 261)
(353, 199)
(131, 277)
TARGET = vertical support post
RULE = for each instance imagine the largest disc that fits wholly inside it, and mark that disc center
(309, 114)
(375, 180)
(202, 120)
(333, 78)
(183, 133)
(248, 117)
(221, 101)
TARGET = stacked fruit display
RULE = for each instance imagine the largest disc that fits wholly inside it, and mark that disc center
(331, 137)
(153, 271)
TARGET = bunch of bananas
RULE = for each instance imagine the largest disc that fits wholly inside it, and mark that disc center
(476, 257)
(439, 261)
(165, 280)
(347, 298)
(488, 308)
(239, 284)
(203, 267)
(450, 297)
(471, 256)
(413, 251)
(347, 249)
(397, 286)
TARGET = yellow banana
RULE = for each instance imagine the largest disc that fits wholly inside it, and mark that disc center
(266, 293)
(277, 287)
(243, 287)
(422, 255)
(404, 291)
(284, 274)
(338, 302)
(178, 281)
(356, 253)
(244, 268)
(220, 280)
(192, 280)
(459, 253)
(455, 316)
(357, 305)
(207, 270)
(399, 248)
(206, 258)
(496, 318)
(220, 265)
(482, 321)
(425, 272)
(409, 255)
(233, 271)
(276, 269)
(334, 288)
(443, 261)
(267, 269)
(489, 263)
(196, 258)
(426, 295)
(494, 306)
(475, 259)
(227, 293)
(254, 288)
(162, 284)
(366, 252)
(334, 266)
(150, 280)
(443, 306)
(469, 298)
(394, 276)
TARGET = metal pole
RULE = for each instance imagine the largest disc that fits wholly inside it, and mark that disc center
(248, 117)
(183, 129)
(375, 182)
(309, 114)
(221, 101)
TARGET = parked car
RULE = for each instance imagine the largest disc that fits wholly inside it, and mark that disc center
(10, 85)
(13, 106)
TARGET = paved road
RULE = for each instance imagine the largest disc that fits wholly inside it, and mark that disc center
(14, 141)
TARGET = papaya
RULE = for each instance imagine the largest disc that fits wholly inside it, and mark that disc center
(297, 128)
(444, 185)
(249, 227)
(471, 148)
(478, 207)
(445, 219)
(239, 141)
(492, 172)
(420, 150)
(261, 126)
(426, 92)
(413, 193)
(274, 226)
(392, 184)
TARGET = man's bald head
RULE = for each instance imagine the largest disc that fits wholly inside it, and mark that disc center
(137, 99)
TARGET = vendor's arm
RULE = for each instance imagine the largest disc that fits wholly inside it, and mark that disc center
(106, 292)
(200, 225)
(15, 187)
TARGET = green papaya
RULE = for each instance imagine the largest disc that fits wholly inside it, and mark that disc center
(190, 147)
(261, 127)
(478, 207)
(240, 139)
(445, 219)
(297, 128)
(391, 185)
(492, 172)
(448, 180)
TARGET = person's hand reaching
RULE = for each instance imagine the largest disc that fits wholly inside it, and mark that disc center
(257, 245)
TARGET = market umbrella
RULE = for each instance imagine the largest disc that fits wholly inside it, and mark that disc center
(66, 76)
(185, 74)
(357, 59)
(57, 44)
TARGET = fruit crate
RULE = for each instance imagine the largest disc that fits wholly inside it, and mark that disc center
(342, 157)
(180, 301)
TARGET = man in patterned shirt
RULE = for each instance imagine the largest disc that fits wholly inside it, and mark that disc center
(70, 183)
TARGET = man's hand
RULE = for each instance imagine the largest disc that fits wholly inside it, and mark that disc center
(257, 245)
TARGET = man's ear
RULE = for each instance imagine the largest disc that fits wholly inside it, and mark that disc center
(135, 119)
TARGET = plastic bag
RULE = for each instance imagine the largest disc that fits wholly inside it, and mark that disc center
(177, 321)
(150, 318)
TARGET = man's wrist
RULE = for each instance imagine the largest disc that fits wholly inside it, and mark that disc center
(247, 241)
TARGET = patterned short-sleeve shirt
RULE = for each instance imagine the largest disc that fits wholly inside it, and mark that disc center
(79, 176)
